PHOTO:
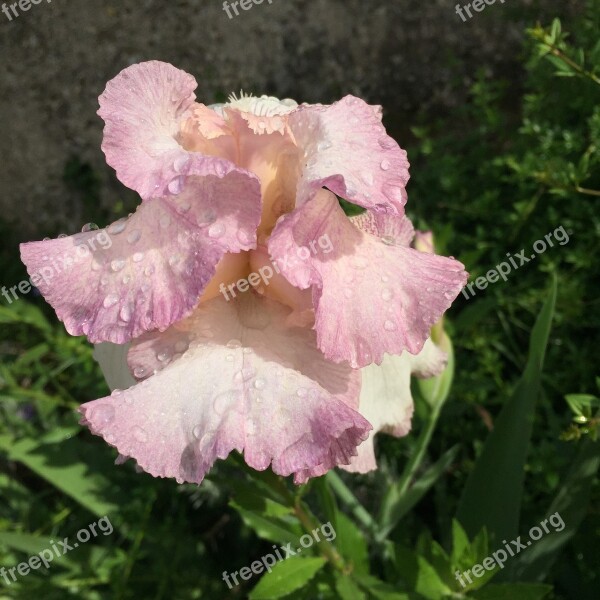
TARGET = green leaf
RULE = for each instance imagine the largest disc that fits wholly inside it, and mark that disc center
(269, 528)
(351, 544)
(511, 591)
(413, 495)
(492, 495)
(571, 505)
(378, 589)
(347, 589)
(286, 577)
(419, 575)
(64, 466)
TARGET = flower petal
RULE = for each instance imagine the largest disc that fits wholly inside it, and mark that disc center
(247, 382)
(347, 150)
(386, 400)
(147, 271)
(143, 108)
(370, 296)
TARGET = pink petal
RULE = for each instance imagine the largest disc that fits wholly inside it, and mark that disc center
(147, 271)
(348, 151)
(143, 108)
(246, 382)
(370, 296)
(386, 400)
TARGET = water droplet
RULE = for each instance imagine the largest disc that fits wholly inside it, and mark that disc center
(126, 279)
(247, 350)
(259, 384)
(139, 372)
(117, 392)
(394, 192)
(89, 227)
(245, 237)
(387, 294)
(149, 270)
(175, 185)
(110, 300)
(222, 402)
(134, 236)
(138, 257)
(360, 262)
(96, 266)
(325, 145)
(117, 264)
(102, 415)
(387, 143)
(110, 438)
(220, 169)
(180, 162)
(229, 358)
(117, 227)
(234, 344)
(216, 230)
(163, 356)
(140, 434)
(174, 259)
(302, 392)
(388, 240)
(389, 325)
(165, 221)
(125, 313)
(367, 177)
(385, 165)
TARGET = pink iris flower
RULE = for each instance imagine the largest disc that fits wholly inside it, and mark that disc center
(301, 370)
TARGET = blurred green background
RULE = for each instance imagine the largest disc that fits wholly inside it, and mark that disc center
(513, 159)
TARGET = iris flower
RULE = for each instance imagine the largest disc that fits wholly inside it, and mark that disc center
(297, 373)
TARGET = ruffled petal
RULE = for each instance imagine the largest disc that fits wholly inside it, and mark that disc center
(386, 400)
(246, 382)
(143, 108)
(147, 271)
(371, 295)
(347, 150)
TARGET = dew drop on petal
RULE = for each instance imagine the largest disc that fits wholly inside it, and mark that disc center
(234, 343)
(117, 227)
(138, 257)
(163, 356)
(102, 414)
(259, 384)
(117, 264)
(385, 165)
(139, 372)
(387, 143)
(389, 325)
(149, 270)
(175, 185)
(302, 392)
(216, 230)
(134, 236)
(180, 162)
(324, 145)
(89, 227)
(126, 279)
(125, 313)
(394, 192)
(110, 300)
(229, 358)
